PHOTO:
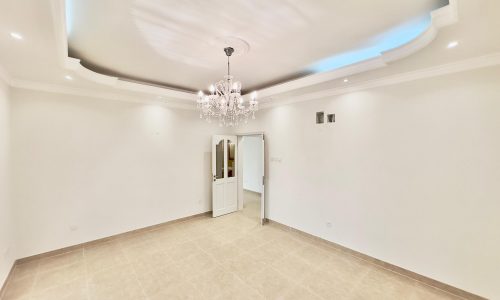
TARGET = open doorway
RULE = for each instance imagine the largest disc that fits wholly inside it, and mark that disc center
(251, 176)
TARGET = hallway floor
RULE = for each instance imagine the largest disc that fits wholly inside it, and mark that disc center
(251, 205)
(230, 257)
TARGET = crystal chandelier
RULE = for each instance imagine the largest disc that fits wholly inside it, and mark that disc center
(225, 102)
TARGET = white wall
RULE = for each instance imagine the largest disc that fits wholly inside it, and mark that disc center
(252, 163)
(408, 174)
(90, 168)
(6, 227)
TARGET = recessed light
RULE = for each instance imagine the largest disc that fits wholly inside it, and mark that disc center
(16, 36)
(346, 80)
(68, 77)
(452, 44)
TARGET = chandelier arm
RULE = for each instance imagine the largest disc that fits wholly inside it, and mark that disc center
(225, 102)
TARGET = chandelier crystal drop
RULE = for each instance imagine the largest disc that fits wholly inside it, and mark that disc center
(225, 103)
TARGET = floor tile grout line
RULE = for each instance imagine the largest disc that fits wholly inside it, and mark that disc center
(333, 247)
(400, 274)
(133, 270)
(225, 270)
(87, 276)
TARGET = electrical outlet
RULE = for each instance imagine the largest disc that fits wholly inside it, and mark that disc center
(329, 224)
(73, 228)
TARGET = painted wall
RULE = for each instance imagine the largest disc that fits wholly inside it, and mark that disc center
(408, 174)
(6, 226)
(252, 163)
(90, 168)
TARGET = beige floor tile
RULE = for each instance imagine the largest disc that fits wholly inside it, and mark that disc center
(150, 262)
(59, 261)
(225, 253)
(24, 270)
(56, 277)
(342, 265)
(326, 287)
(201, 262)
(382, 284)
(271, 284)
(115, 283)
(294, 268)
(268, 253)
(300, 293)
(244, 266)
(104, 256)
(230, 235)
(230, 257)
(249, 242)
(192, 230)
(290, 244)
(217, 282)
(158, 279)
(136, 251)
(179, 291)
(314, 255)
(183, 251)
(19, 289)
(72, 290)
(100, 249)
(209, 241)
(242, 293)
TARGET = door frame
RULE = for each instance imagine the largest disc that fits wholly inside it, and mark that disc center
(239, 174)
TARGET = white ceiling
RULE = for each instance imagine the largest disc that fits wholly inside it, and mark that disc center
(37, 62)
(179, 43)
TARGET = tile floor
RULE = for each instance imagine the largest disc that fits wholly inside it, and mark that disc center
(251, 205)
(230, 257)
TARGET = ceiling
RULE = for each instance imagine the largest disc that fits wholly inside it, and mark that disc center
(38, 61)
(179, 44)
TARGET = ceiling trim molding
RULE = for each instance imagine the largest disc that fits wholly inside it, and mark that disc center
(61, 89)
(72, 64)
(441, 17)
(484, 61)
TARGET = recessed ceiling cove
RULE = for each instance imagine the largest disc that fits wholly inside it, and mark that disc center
(179, 44)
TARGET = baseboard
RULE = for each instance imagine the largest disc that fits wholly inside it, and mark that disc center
(410, 274)
(107, 239)
(93, 242)
(388, 266)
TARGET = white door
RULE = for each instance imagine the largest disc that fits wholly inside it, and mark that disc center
(224, 181)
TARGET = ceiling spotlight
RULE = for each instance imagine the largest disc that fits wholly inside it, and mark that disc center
(452, 44)
(68, 77)
(346, 80)
(16, 36)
